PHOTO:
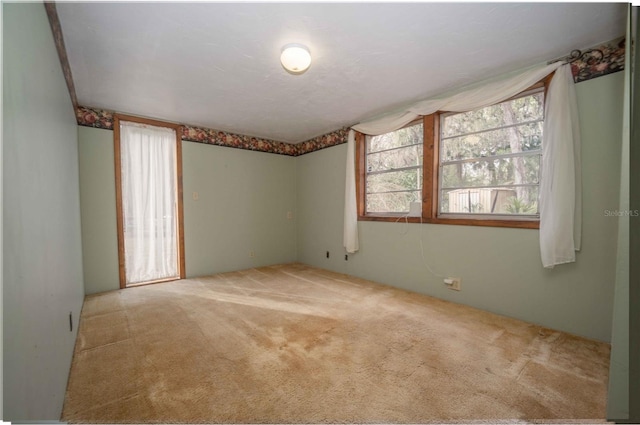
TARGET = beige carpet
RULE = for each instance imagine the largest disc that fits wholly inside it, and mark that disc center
(296, 344)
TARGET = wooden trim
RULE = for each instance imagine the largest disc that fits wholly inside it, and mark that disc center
(430, 171)
(546, 82)
(181, 262)
(148, 121)
(119, 212)
(435, 160)
(518, 224)
(58, 39)
(179, 195)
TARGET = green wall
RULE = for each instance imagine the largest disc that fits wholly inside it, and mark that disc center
(242, 206)
(42, 253)
(500, 268)
(618, 400)
(98, 209)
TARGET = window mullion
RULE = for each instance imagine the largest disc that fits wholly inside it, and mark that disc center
(429, 173)
(518, 124)
(394, 191)
(522, 154)
(492, 186)
(394, 170)
(391, 149)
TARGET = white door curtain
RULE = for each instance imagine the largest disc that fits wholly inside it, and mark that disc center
(560, 181)
(149, 202)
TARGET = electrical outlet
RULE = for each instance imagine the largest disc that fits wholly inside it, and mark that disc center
(252, 254)
(453, 283)
(289, 215)
(196, 196)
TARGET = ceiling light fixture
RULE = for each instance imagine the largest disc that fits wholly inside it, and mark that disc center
(295, 58)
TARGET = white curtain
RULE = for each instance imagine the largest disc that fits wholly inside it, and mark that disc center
(561, 134)
(479, 97)
(561, 182)
(350, 237)
(149, 204)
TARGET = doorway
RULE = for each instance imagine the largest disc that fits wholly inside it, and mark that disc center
(148, 168)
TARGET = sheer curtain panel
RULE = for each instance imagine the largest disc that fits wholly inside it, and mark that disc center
(149, 202)
(561, 177)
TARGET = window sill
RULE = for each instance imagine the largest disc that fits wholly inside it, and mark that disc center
(516, 224)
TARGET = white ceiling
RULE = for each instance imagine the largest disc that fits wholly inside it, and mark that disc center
(217, 64)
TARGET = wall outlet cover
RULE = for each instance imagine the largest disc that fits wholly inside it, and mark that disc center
(453, 283)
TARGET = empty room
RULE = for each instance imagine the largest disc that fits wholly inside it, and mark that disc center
(317, 212)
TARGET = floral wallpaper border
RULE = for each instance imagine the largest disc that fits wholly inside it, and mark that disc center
(96, 118)
(334, 138)
(604, 59)
(239, 141)
(596, 62)
(100, 118)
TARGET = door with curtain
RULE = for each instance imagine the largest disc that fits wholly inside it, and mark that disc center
(148, 165)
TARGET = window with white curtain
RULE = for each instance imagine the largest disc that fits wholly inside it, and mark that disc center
(559, 206)
(149, 201)
(480, 167)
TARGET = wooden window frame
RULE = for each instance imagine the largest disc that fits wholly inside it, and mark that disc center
(430, 167)
(119, 216)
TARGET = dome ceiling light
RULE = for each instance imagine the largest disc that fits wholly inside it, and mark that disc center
(295, 58)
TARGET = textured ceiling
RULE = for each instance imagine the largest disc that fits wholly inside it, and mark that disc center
(217, 64)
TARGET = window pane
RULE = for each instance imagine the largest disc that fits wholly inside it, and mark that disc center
(395, 181)
(393, 159)
(403, 137)
(396, 202)
(521, 138)
(526, 108)
(491, 172)
(390, 187)
(515, 200)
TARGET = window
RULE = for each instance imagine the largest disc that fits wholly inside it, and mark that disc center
(394, 170)
(148, 200)
(474, 168)
(490, 159)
